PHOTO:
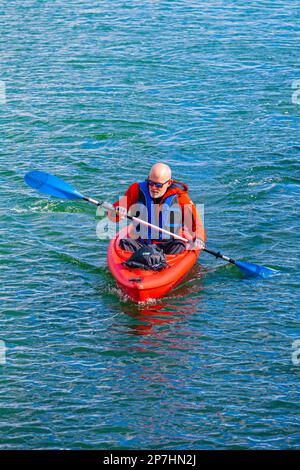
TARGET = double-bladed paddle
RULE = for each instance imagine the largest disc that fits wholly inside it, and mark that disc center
(53, 186)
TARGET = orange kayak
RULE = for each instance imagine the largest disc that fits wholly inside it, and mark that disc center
(142, 285)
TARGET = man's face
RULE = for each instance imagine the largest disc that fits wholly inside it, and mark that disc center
(156, 192)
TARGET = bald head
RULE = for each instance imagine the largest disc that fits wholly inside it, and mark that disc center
(159, 173)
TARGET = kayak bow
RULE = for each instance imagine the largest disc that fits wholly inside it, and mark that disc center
(141, 285)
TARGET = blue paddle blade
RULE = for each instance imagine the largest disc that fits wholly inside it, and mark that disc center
(50, 184)
(254, 270)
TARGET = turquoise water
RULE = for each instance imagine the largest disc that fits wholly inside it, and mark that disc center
(96, 92)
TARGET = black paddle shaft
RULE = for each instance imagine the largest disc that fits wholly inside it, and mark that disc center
(217, 254)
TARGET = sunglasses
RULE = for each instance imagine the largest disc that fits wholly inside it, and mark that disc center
(157, 185)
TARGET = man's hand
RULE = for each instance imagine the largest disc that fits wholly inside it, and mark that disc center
(121, 212)
(198, 244)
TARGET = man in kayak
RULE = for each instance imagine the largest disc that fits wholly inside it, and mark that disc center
(162, 201)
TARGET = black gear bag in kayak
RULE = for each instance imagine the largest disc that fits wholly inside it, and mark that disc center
(149, 257)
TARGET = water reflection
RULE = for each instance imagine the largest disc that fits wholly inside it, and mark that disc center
(156, 317)
(151, 342)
